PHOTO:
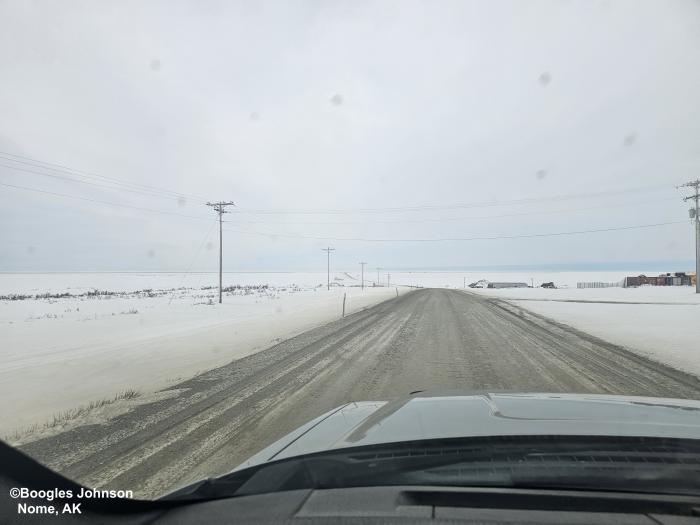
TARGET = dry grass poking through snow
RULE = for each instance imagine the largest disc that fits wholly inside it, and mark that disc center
(64, 417)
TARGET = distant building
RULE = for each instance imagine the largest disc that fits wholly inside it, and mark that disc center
(665, 279)
(507, 285)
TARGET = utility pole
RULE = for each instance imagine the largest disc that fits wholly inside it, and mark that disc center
(220, 208)
(379, 281)
(694, 213)
(388, 280)
(328, 251)
(363, 274)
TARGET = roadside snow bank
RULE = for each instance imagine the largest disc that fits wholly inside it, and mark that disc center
(59, 353)
(659, 322)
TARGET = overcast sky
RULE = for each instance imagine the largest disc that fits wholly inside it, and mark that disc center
(346, 108)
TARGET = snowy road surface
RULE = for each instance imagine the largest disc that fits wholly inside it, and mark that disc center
(427, 339)
(659, 322)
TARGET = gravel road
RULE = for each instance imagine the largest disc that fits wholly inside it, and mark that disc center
(426, 339)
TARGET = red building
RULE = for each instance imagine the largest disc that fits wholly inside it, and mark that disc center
(665, 279)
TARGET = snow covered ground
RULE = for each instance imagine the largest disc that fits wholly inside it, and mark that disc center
(134, 331)
(146, 331)
(86, 281)
(660, 322)
(82, 282)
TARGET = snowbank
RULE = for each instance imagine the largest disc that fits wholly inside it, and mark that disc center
(58, 353)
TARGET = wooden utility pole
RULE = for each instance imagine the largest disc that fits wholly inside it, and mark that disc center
(694, 212)
(220, 208)
(363, 274)
(328, 251)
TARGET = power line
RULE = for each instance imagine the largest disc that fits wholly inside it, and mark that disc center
(458, 219)
(59, 170)
(95, 184)
(166, 193)
(296, 236)
(36, 163)
(460, 239)
(97, 201)
(554, 198)
(67, 169)
(189, 267)
(151, 210)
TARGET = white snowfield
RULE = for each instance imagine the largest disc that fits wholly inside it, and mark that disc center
(659, 322)
(61, 353)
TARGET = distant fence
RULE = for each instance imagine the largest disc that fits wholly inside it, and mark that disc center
(599, 285)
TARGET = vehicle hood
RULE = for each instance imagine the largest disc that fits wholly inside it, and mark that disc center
(433, 416)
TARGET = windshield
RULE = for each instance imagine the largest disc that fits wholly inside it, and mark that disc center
(230, 226)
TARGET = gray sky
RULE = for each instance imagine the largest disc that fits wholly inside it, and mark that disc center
(346, 106)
